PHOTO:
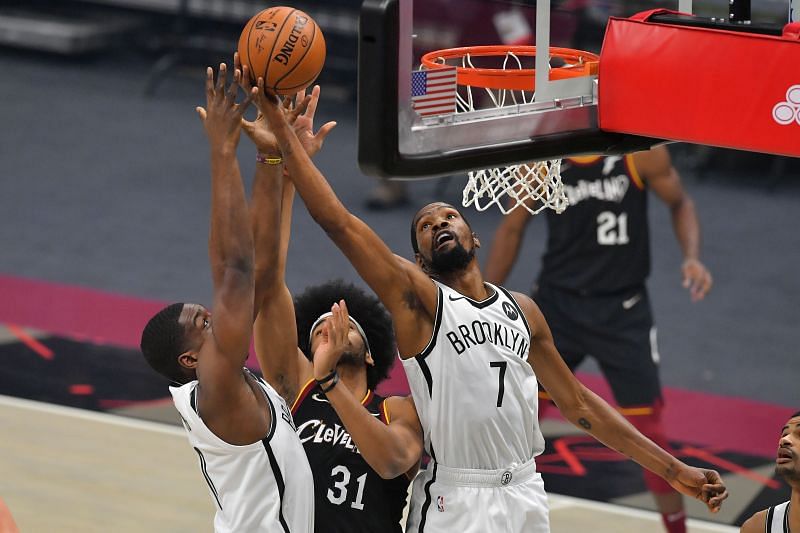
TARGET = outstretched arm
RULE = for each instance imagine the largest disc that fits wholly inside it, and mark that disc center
(390, 449)
(656, 168)
(505, 245)
(282, 363)
(591, 413)
(405, 291)
(225, 400)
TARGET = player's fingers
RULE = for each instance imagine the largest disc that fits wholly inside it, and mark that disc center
(245, 82)
(325, 130)
(312, 106)
(301, 106)
(222, 74)
(201, 112)
(209, 82)
(233, 88)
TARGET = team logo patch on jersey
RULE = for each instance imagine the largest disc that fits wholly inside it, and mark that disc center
(510, 311)
(440, 503)
(505, 479)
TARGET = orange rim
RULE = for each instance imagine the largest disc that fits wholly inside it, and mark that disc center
(577, 63)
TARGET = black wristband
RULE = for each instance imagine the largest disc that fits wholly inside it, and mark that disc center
(327, 378)
(330, 387)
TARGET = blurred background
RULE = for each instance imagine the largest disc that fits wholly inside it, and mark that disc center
(104, 199)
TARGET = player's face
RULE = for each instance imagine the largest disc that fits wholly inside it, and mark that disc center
(445, 240)
(787, 463)
(196, 321)
(355, 351)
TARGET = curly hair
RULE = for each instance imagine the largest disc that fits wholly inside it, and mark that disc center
(163, 340)
(365, 308)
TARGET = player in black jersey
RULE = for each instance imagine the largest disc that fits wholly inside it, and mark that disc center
(363, 449)
(591, 286)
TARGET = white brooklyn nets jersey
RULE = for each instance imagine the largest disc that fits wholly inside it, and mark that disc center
(264, 486)
(474, 390)
(778, 518)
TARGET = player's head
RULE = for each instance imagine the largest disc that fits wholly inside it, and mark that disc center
(171, 340)
(374, 349)
(442, 239)
(787, 463)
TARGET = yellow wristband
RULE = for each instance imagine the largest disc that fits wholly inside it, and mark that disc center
(268, 159)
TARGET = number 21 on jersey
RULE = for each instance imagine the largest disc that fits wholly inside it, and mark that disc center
(612, 229)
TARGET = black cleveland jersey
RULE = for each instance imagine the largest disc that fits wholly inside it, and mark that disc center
(601, 243)
(349, 495)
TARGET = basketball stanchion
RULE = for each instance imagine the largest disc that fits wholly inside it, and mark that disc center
(505, 85)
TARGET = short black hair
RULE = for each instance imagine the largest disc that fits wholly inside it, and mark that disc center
(365, 308)
(414, 243)
(795, 415)
(163, 340)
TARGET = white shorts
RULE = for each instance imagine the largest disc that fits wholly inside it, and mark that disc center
(451, 499)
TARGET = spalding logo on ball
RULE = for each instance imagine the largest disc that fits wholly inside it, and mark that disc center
(284, 46)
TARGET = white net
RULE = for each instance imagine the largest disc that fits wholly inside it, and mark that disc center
(533, 185)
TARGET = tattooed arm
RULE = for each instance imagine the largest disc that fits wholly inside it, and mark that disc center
(591, 413)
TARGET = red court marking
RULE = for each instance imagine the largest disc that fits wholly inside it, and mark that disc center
(43, 351)
(562, 448)
(732, 467)
(689, 416)
(81, 389)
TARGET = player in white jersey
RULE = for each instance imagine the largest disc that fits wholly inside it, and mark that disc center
(241, 430)
(492, 484)
(785, 517)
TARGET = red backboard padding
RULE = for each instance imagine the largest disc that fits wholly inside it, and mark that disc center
(705, 86)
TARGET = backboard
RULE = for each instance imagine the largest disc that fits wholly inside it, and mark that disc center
(401, 138)
(559, 118)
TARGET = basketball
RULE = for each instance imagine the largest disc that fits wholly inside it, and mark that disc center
(285, 47)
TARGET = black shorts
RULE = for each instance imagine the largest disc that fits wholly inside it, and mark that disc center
(617, 330)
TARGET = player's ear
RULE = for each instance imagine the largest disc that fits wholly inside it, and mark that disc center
(188, 360)
(369, 360)
(476, 240)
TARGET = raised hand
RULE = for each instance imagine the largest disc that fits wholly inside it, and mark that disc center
(702, 484)
(304, 124)
(334, 340)
(222, 116)
(696, 278)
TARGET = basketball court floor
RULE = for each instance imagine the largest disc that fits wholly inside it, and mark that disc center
(68, 469)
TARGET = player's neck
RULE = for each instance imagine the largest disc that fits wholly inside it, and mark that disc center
(794, 511)
(468, 282)
(355, 379)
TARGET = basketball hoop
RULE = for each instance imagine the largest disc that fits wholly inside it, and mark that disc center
(506, 83)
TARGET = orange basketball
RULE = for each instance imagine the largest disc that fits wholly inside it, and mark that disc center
(285, 47)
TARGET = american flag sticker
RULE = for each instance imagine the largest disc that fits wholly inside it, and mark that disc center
(433, 92)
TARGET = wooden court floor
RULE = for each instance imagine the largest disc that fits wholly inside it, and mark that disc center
(65, 469)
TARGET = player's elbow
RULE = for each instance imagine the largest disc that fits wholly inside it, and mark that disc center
(394, 467)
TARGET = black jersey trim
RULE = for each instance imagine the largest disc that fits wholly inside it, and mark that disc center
(193, 400)
(204, 469)
(770, 515)
(436, 324)
(475, 303)
(428, 499)
(426, 372)
(786, 518)
(519, 309)
(276, 473)
(272, 413)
